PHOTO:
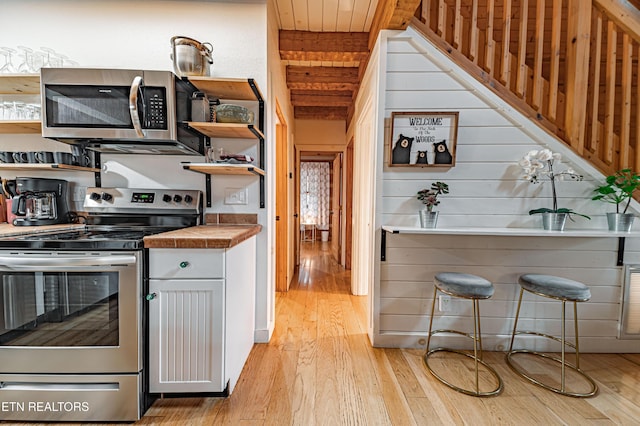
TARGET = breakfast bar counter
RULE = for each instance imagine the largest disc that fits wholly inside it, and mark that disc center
(515, 232)
(410, 257)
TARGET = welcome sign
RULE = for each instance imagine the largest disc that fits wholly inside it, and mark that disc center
(423, 139)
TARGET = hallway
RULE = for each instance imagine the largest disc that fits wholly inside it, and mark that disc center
(320, 369)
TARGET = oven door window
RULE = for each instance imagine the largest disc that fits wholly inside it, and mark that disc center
(54, 309)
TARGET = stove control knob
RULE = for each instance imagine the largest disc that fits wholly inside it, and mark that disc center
(166, 198)
(106, 196)
(177, 198)
(188, 199)
(95, 196)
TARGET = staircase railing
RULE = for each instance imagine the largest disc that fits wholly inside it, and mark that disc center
(572, 66)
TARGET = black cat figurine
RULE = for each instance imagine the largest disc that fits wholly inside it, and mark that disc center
(402, 150)
(422, 157)
(443, 156)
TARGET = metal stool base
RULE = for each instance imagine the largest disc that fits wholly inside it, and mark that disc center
(525, 374)
(497, 390)
(562, 361)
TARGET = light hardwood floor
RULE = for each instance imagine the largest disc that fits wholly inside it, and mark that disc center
(320, 369)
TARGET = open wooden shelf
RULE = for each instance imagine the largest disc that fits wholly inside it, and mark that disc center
(20, 126)
(224, 169)
(227, 88)
(39, 166)
(227, 130)
(19, 84)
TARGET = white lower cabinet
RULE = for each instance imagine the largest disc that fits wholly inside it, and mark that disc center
(201, 317)
(186, 334)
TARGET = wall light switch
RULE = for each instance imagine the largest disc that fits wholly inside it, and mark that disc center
(79, 192)
(236, 196)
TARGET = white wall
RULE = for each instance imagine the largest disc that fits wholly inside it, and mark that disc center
(136, 34)
(486, 190)
(278, 93)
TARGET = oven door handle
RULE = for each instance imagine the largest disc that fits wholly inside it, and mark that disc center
(63, 263)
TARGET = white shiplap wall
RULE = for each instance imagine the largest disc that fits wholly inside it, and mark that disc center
(486, 190)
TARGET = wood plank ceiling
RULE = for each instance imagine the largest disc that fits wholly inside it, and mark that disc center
(325, 45)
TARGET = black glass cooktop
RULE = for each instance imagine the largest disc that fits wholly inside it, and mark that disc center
(84, 239)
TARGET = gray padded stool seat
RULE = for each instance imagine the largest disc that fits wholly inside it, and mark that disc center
(471, 287)
(565, 290)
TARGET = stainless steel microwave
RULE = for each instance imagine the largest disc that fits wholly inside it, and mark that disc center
(119, 110)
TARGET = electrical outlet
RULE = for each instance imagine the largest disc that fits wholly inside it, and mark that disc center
(444, 303)
(235, 196)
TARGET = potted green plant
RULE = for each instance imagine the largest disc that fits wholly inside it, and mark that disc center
(429, 198)
(617, 189)
(539, 164)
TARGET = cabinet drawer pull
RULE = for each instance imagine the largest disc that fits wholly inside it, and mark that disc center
(184, 264)
(151, 296)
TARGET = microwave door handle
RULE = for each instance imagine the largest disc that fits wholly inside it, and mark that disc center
(136, 86)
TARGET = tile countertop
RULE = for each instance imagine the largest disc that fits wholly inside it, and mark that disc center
(203, 236)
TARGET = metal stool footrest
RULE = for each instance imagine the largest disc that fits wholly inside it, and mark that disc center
(497, 390)
(560, 390)
(548, 336)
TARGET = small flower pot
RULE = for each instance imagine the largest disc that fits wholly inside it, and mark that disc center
(554, 221)
(620, 222)
(428, 219)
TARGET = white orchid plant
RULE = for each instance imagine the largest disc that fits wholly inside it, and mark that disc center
(538, 164)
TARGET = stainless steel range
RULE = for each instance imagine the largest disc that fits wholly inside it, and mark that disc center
(72, 311)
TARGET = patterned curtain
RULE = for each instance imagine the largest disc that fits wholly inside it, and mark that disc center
(314, 193)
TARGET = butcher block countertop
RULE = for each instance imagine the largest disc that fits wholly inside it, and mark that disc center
(203, 236)
(7, 229)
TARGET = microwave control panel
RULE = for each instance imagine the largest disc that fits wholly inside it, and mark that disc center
(155, 108)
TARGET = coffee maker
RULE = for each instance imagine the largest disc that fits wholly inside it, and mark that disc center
(40, 201)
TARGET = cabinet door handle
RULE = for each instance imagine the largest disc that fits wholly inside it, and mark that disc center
(183, 264)
(151, 296)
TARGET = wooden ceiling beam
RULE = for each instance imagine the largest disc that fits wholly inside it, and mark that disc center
(334, 93)
(323, 46)
(320, 113)
(297, 74)
(322, 86)
(321, 99)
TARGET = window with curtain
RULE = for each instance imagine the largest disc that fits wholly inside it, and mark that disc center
(315, 183)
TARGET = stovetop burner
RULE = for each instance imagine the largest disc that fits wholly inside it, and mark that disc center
(119, 219)
(85, 239)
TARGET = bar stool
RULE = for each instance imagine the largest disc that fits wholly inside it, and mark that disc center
(565, 290)
(465, 286)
